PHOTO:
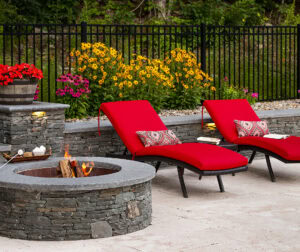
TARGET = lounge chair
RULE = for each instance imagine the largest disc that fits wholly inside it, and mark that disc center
(224, 112)
(128, 117)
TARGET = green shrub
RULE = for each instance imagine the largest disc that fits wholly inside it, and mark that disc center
(244, 12)
(230, 92)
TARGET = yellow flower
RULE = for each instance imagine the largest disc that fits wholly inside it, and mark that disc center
(148, 75)
(129, 84)
(71, 54)
(135, 82)
(213, 89)
(116, 83)
(95, 77)
(129, 77)
(100, 82)
(77, 53)
(121, 95)
(115, 78)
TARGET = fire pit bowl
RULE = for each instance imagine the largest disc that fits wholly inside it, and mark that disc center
(49, 208)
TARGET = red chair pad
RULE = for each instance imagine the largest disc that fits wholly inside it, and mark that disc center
(128, 117)
(224, 112)
(202, 156)
(288, 148)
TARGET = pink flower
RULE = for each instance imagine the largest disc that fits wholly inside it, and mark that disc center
(225, 78)
(255, 95)
(245, 90)
(298, 91)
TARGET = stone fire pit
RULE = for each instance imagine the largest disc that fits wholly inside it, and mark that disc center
(41, 208)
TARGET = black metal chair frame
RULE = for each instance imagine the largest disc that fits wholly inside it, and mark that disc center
(180, 168)
(268, 154)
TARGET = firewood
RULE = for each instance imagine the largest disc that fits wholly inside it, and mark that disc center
(65, 168)
(79, 171)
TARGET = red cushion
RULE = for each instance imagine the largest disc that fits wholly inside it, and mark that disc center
(288, 148)
(203, 156)
(251, 128)
(128, 117)
(160, 138)
(224, 112)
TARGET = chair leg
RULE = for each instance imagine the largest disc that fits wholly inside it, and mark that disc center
(157, 165)
(273, 179)
(221, 186)
(252, 157)
(181, 180)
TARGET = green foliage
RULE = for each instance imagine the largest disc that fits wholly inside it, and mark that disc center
(8, 13)
(215, 12)
(244, 12)
(89, 12)
(290, 17)
(35, 11)
(230, 92)
(78, 106)
(203, 12)
(117, 12)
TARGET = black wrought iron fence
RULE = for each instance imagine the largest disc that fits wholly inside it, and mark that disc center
(262, 59)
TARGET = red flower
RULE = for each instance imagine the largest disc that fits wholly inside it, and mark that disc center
(18, 71)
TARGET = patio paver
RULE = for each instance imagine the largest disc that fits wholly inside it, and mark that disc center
(252, 215)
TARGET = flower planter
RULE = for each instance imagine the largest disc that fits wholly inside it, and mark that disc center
(19, 92)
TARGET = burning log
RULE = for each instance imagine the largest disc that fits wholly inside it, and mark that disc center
(66, 169)
(69, 167)
(79, 172)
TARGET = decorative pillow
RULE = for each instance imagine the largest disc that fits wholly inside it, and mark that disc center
(251, 128)
(162, 137)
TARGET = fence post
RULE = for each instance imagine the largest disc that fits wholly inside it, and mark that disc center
(203, 46)
(83, 32)
(298, 60)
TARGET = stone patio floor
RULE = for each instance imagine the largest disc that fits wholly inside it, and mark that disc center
(252, 215)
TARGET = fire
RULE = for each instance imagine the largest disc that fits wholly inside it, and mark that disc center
(67, 155)
(85, 167)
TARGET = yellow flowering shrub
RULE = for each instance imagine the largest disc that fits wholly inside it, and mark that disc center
(176, 82)
(144, 79)
(98, 63)
(191, 84)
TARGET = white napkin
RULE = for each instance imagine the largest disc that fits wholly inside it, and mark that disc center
(276, 136)
(209, 139)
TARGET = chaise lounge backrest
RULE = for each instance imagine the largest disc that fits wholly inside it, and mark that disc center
(224, 112)
(127, 117)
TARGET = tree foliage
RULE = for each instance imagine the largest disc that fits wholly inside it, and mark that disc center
(216, 12)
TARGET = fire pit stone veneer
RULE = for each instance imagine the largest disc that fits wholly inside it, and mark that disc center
(38, 208)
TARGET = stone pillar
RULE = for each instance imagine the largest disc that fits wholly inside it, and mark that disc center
(27, 126)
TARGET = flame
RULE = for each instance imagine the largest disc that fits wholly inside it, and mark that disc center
(67, 155)
(85, 166)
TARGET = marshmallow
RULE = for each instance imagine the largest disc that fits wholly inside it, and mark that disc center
(20, 152)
